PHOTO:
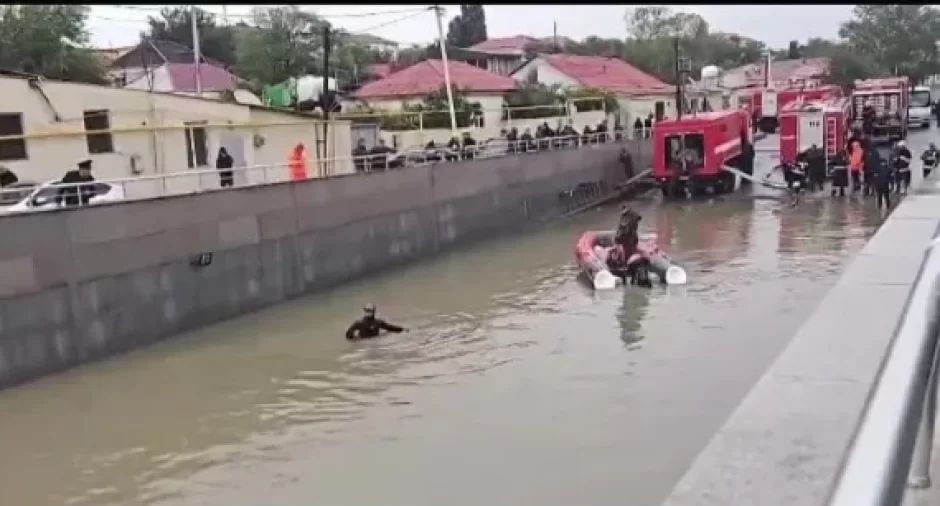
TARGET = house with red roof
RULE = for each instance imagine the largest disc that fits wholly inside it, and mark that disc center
(413, 84)
(168, 67)
(638, 93)
(503, 55)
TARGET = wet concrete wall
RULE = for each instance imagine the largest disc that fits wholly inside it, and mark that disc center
(83, 284)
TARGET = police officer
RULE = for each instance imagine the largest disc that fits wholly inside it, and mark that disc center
(369, 326)
(930, 159)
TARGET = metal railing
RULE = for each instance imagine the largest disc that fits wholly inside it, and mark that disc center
(197, 181)
(893, 445)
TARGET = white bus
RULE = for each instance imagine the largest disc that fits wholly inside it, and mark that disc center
(920, 108)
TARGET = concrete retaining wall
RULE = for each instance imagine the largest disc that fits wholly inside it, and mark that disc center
(82, 284)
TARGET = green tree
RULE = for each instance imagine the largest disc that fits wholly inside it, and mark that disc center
(655, 22)
(467, 28)
(846, 65)
(900, 39)
(280, 43)
(40, 38)
(175, 24)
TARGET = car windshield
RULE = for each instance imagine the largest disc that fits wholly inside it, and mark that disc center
(15, 193)
(920, 99)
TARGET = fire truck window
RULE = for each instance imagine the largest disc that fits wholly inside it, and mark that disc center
(692, 151)
(695, 149)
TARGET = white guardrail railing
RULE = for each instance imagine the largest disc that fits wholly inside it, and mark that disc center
(35, 196)
(892, 448)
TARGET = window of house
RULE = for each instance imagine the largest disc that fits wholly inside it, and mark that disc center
(101, 142)
(197, 144)
(12, 149)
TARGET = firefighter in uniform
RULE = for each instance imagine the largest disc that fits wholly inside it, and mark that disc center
(901, 159)
(930, 159)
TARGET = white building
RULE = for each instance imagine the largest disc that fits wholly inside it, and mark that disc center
(142, 134)
(638, 93)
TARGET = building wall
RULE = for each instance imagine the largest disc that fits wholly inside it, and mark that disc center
(632, 108)
(77, 285)
(155, 146)
(545, 74)
(493, 123)
(504, 65)
(158, 80)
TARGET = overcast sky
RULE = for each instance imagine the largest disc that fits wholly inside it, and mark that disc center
(774, 24)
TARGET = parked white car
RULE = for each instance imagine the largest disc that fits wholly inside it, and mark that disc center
(27, 197)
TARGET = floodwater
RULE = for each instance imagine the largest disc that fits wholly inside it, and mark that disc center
(516, 385)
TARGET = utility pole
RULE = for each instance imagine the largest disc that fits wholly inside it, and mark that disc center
(197, 51)
(225, 15)
(324, 96)
(439, 15)
(326, 101)
(675, 47)
(555, 36)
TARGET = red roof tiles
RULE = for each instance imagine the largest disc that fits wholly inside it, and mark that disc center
(427, 77)
(183, 77)
(505, 45)
(609, 74)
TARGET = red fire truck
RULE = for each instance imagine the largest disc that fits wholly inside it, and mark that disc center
(889, 97)
(689, 153)
(768, 102)
(825, 123)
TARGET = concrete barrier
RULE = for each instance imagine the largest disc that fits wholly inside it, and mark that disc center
(786, 442)
(82, 284)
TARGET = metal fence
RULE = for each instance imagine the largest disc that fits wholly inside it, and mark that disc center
(893, 445)
(33, 197)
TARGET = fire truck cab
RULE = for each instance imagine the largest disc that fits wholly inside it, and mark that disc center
(889, 97)
(689, 153)
(824, 123)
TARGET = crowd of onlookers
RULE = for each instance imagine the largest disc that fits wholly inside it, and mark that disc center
(510, 141)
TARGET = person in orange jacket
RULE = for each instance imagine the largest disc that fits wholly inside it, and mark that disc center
(297, 161)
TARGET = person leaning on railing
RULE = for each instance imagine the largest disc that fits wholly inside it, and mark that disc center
(73, 192)
(360, 155)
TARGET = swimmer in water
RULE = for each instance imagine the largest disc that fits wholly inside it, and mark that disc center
(369, 326)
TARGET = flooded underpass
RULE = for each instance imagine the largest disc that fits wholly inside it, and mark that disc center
(516, 385)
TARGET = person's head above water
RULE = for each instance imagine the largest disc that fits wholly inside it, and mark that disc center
(369, 310)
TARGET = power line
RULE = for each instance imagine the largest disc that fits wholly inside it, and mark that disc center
(392, 22)
(157, 10)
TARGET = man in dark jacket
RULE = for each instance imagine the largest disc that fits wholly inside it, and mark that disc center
(816, 168)
(901, 159)
(881, 174)
(74, 192)
(370, 326)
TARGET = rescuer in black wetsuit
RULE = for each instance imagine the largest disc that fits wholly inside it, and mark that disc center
(370, 326)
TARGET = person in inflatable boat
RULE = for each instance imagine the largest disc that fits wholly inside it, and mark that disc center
(624, 259)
